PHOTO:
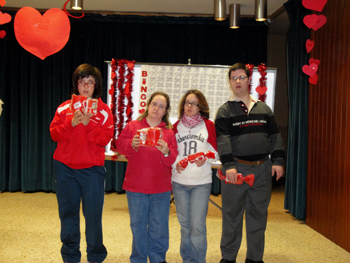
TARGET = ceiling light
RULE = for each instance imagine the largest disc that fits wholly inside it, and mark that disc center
(235, 13)
(76, 4)
(220, 10)
(260, 10)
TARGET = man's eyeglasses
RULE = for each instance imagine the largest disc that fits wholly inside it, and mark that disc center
(160, 106)
(193, 104)
(240, 78)
(82, 83)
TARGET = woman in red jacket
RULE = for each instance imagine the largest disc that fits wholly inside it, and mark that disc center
(78, 166)
(148, 181)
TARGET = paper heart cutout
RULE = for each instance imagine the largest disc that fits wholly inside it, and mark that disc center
(316, 61)
(309, 45)
(113, 75)
(42, 35)
(316, 5)
(127, 88)
(2, 2)
(320, 22)
(128, 110)
(310, 70)
(130, 65)
(111, 91)
(4, 18)
(142, 111)
(310, 20)
(313, 79)
(2, 33)
(261, 90)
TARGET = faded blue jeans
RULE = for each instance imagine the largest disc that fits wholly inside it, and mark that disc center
(149, 222)
(191, 203)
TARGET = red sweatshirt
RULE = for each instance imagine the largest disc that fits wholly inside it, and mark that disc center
(81, 146)
(148, 170)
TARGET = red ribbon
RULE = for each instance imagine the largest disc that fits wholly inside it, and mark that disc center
(65, 10)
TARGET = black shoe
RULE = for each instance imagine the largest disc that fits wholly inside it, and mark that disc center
(227, 261)
(251, 261)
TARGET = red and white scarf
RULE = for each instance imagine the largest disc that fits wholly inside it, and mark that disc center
(191, 121)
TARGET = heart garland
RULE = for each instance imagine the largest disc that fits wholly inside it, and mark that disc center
(121, 88)
(315, 22)
(4, 18)
(261, 88)
(250, 67)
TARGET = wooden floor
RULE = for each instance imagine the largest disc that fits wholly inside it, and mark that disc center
(29, 227)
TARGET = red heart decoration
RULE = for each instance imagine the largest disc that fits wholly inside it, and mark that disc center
(130, 65)
(316, 61)
(128, 110)
(316, 5)
(127, 88)
(113, 75)
(2, 2)
(111, 91)
(313, 79)
(261, 90)
(4, 18)
(310, 70)
(310, 20)
(263, 74)
(2, 33)
(42, 35)
(142, 111)
(309, 45)
(320, 22)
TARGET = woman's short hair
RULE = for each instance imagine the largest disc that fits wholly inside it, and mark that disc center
(85, 71)
(168, 108)
(202, 103)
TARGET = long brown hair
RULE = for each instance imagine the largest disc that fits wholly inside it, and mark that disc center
(202, 103)
(166, 115)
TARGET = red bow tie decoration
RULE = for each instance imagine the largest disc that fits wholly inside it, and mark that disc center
(197, 156)
(249, 179)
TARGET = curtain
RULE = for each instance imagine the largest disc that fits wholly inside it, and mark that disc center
(296, 166)
(32, 88)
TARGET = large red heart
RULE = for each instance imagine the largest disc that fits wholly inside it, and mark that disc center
(2, 33)
(313, 79)
(316, 61)
(310, 20)
(316, 5)
(309, 45)
(2, 2)
(310, 70)
(261, 90)
(4, 18)
(42, 35)
(320, 22)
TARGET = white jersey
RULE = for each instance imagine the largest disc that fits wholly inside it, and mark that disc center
(190, 141)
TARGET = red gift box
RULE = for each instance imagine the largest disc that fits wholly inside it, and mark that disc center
(79, 102)
(149, 136)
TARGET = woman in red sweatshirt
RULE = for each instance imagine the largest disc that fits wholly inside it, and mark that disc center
(78, 166)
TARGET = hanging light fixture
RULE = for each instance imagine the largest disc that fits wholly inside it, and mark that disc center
(235, 13)
(260, 10)
(220, 10)
(76, 4)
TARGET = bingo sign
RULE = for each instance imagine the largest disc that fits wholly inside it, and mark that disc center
(143, 89)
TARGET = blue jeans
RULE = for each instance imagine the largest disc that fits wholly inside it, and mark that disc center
(149, 222)
(73, 186)
(191, 203)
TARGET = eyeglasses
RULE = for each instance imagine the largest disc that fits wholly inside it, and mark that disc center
(82, 83)
(240, 78)
(193, 104)
(155, 105)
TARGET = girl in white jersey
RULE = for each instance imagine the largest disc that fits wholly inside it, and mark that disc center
(194, 133)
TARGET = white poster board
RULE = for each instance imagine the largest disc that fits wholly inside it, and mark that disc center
(175, 80)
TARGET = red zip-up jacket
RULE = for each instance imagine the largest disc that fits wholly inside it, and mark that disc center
(81, 146)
